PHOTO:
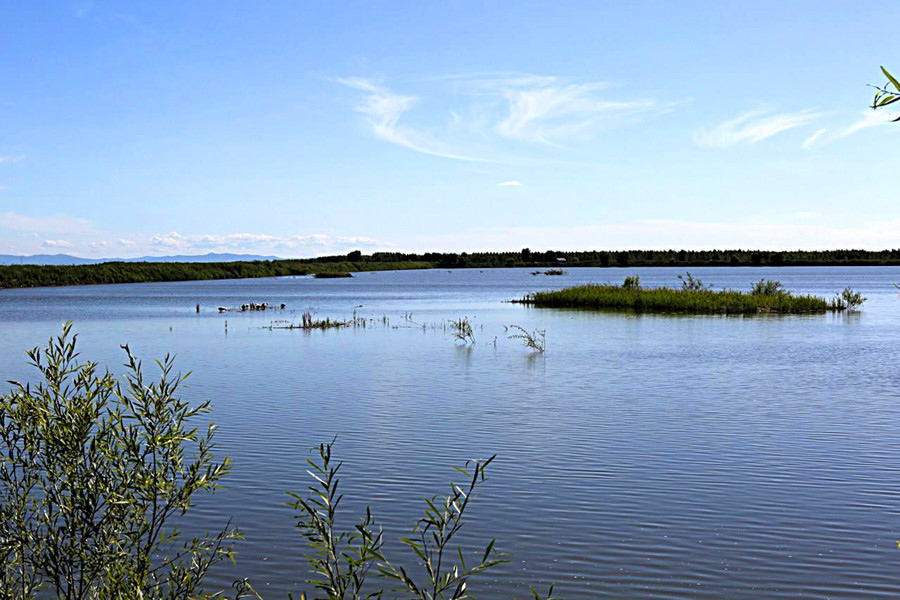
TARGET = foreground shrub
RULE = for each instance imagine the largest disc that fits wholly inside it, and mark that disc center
(93, 476)
(343, 560)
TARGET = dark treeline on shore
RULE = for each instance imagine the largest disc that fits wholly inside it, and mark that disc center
(14, 276)
(17, 276)
(643, 258)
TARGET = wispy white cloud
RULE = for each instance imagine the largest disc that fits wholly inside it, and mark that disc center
(510, 184)
(82, 9)
(58, 244)
(868, 118)
(752, 127)
(493, 108)
(383, 109)
(24, 234)
(811, 140)
(257, 242)
(545, 110)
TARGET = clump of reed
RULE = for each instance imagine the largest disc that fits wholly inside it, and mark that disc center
(308, 323)
(536, 340)
(462, 330)
(689, 282)
(848, 300)
(765, 297)
(550, 272)
(332, 275)
(765, 287)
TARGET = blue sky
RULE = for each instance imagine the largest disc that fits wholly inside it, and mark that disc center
(305, 128)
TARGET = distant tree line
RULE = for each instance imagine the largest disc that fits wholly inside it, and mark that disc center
(14, 276)
(630, 258)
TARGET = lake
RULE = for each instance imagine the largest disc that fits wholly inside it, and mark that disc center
(641, 456)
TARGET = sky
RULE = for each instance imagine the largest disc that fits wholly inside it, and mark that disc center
(311, 128)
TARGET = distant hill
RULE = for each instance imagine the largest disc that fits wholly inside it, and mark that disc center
(67, 259)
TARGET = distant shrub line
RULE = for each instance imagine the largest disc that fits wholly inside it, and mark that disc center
(18, 276)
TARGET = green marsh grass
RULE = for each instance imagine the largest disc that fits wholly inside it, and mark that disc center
(685, 300)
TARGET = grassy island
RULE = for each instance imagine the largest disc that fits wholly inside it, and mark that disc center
(764, 297)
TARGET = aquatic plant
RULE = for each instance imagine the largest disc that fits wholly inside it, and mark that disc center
(462, 330)
(632, 282)
(676, 300)
(94, 475)
(848, 300)
(554, 272)
(689, 282)
(765, 287)
(308, 323)
(334, 275)
(536, 340)
(342, 561)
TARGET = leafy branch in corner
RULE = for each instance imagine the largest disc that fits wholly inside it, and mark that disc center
(885, 95)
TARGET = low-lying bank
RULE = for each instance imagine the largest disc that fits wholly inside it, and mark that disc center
(668, 300)
(334, 275)
(19, 276)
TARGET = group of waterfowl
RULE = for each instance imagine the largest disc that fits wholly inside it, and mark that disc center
(250, 306)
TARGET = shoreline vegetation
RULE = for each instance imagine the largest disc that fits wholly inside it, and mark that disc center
(332, 275)
(20, 276)
(765, 297)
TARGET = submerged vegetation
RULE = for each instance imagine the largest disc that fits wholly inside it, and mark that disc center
(848, 300)
(536, 340)
(98, 477)
(462, 330)
(764, 297)
(308, 323)
(549, 272)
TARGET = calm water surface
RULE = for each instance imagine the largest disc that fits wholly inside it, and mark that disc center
(640, 457)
